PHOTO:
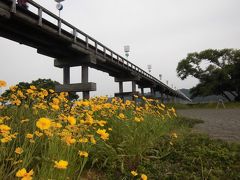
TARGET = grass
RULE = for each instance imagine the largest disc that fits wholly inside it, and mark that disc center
(189, 156)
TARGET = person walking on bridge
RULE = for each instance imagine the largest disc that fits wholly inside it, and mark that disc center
(23, 3)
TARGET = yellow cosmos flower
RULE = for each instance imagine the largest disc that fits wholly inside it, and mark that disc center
(13, 96)
(56, 101)
(102, 123)
(143, 177)
(20, 94)
(4, 128)
(16, 102)
(83, 140)
(83, 154)
(29, 136)
(30, 91)
(22, 173)
(137, 119)
(162, 105)
(33, 87)
(1, 107)
(71, 120)
(107, 105)
(3, 83)
(51, 91)
(104, 135)
(55, 107)
(92, 139)
(85, 103)
(173, 110)
(134, 173)
(6, 139)
(69, 140)
(174, 135)
(56, 125)
(45, 92)
(38, 134)
(61, 164)
(13, 88)
(121, 116)
(128, 103)
(43, 123)
(18, 150)
(89, 119)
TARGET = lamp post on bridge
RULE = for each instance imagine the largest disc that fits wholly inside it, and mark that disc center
(160, 77)
(149, 66)
(59, 6)
(127, 50)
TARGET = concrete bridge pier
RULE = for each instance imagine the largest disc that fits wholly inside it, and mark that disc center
(142, 91)
(134, 88)
(167, 98)
(66, 75)
(86, 94)
(153, 93)
(120, 87)
(123, 94)
(85, 86)
(162, 96)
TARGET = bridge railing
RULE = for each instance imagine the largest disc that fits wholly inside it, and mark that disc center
(79, 36)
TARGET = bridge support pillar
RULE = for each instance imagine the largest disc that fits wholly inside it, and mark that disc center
(122, 94)
(120, 87)
(162, 98)
(167, 98)
(66, 75)
(142, 91)
(133, 86)
(85, 86)
(152, 92)
(86, 94)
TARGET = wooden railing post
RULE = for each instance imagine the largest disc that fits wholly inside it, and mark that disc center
(59, 26)
(87, 45)
(74, 35)
(13, 8)
(40, 16)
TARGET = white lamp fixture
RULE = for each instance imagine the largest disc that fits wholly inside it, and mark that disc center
(127, 50)
(59, 6)
(160, 77)
(149, 66)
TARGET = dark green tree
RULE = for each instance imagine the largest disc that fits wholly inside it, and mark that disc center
(218, 72)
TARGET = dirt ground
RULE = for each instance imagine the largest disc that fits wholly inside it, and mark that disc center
(218, 123)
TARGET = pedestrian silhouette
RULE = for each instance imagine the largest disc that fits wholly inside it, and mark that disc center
(23, 3)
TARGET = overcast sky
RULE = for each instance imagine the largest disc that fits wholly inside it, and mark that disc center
(159, 32)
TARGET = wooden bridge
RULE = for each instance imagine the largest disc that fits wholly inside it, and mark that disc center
(39, 28)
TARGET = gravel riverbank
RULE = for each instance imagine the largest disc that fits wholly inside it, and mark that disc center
(218, 123)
